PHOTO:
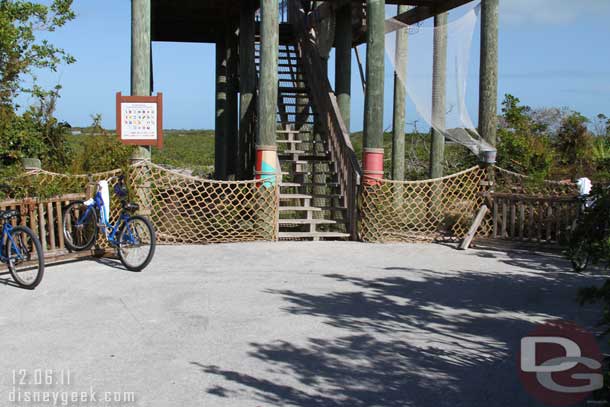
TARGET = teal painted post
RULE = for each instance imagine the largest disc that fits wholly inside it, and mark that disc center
(268, 88)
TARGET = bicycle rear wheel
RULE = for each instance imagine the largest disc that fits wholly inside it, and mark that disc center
(79, 226)
(25, 257)
(580, 257)
(137, 242)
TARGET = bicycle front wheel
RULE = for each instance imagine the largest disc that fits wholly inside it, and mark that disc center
(137, 242)
(79, 226)
(25, 257)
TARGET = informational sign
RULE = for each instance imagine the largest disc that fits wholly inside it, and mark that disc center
(140, 119)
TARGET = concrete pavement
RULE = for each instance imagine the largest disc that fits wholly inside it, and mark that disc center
(288, 324)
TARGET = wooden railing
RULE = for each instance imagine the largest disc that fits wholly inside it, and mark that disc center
(533, 219)
(330, 118)
(44, 217)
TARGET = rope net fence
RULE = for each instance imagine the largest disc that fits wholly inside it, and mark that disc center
(420, 211)
(186, 209)
(190, 210)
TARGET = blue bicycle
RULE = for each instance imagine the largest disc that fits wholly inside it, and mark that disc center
(133, 236)
(21, 251)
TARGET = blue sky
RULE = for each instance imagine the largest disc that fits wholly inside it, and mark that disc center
(552, 53)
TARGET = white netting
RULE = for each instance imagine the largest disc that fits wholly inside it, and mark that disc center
(457, 125)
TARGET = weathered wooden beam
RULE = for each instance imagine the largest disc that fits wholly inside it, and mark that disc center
(141, 62)
(439, 96)
(422, 13)
(268, 86)
(247, 88)
(488, 79)
(232, 132)
(373, 104)
(220, 142)
(476, 224)
(343, 62)
(400, 98)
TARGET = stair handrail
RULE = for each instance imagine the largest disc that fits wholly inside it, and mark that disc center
(323, 97)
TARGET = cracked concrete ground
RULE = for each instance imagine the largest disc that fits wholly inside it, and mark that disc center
(290, 324)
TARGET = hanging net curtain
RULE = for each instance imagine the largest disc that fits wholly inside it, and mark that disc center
(459, 126)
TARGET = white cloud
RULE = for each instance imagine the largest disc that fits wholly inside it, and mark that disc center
(551, 11)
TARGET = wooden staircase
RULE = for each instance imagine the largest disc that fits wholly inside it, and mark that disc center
(312, 206)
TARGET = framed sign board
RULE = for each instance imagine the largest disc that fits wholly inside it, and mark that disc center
(139, 119)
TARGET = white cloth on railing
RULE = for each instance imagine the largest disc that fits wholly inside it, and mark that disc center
(584, 186)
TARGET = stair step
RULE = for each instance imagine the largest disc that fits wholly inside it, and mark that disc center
(310, 158)
(313, 235)
(290, 184)
(329, 196)
(320, 184)
(289, 141)
(291, 89)
(307, 222)
(333, 208)
(293, 131)
(316, 173)
(293, 152)
(284, 197)
(299, 209)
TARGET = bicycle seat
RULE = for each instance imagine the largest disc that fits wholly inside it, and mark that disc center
(10, 214)
(131, 207)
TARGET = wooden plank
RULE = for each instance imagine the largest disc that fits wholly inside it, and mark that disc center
(474, 227)
(530, 223)
(60, 224)
(558, 223)
(549, 224)
(495, 218)
(52, 225)
(504, 218)
(521, 220)
(421, 13)
(540, 222)
(42, 235)
(513, 218)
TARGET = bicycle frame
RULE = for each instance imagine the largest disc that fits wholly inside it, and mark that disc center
(6, 235)
(110, 230)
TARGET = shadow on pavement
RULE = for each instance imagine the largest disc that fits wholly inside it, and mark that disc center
(422, 339)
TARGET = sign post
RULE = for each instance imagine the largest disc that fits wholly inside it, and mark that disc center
(139, 119)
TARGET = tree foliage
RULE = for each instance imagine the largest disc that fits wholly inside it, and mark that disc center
(523, 145)
(35, 132)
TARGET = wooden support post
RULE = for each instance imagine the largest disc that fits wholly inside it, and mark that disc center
(343, 62)
(439, 84)
(373, 103)
(268, 89)
(141, 62)
(231, 123)
(320, 169)
(247, 89)
(474, 227)
(220, 142)
(400, 98)
(488, 85)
